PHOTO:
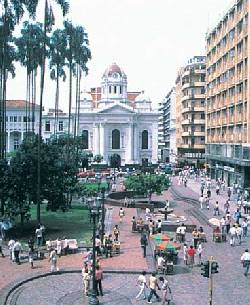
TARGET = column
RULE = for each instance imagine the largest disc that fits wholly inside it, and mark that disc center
(154, 143)
(136, 144)
(102, 140)
(130, 146)
(8, 142)
(96, 148)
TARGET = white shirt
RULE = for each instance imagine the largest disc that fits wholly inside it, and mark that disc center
(98, 242)
(147, 211)
(39, 233)
(17, 246)
(11, 244)
(142, 280)
(160, 261)
(245, 256)
(223, 222)
(232, 231)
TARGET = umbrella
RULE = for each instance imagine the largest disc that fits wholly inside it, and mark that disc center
(160, 237)
(214, 222)
(170, 245)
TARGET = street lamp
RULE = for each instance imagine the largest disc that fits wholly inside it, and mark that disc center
(93, 300)
(103, 213)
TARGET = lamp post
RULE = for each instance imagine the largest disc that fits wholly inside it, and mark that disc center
(103, 213)
(93, 300)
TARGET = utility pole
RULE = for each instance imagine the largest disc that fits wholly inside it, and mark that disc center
(210, 281)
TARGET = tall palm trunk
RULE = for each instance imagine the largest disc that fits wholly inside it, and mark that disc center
(40, 116)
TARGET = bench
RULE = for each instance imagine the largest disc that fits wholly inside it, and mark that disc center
(70, 245)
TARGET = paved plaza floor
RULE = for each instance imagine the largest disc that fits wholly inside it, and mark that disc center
(189, 287)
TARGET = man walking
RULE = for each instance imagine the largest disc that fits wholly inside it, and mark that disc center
(245, 259)
(166, 291)
(17, 248)
(142, 282)
(232, 233)
(153, 284)
(144, 243)
(99, 277)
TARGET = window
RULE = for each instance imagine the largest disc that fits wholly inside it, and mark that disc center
(16, 144)
(11, 118)
(120, 89)
(85, 139)
(144, 139)
(60, 125)
(47, 126)
(115, 89)
(109, 89)
(15, 118)
(115, 139)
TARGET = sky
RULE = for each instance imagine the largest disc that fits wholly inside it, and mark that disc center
(149, 39)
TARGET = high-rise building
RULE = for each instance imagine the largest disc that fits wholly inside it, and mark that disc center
(168, 113)
(161, 143)
(228, 97)
(190, 112)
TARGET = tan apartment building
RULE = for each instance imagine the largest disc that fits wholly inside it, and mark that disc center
(227, 104)
(190, 112)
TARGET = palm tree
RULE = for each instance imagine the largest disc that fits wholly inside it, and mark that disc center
(48, 23)
(29, 52)
(58, 44)
(11, 14)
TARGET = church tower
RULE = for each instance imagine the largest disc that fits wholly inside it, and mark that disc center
(113, 86)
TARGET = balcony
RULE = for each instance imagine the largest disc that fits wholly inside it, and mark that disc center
(199, 109)
(186, 122)
(199, 133)
(187, 109)
(199, 146)
(186, 133)
(199, 121)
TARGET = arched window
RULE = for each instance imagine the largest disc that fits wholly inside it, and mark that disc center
(85, 139)
(144, 139)
(115, 139)
(109, 89)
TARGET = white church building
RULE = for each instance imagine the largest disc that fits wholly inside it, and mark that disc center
(115, 121)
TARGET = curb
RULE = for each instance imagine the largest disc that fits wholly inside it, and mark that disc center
(10, 288)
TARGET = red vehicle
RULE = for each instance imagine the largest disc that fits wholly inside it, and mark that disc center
(86, 174)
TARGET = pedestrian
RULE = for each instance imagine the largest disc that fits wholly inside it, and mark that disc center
(133, 221)
(126, 201)
(11, 251)
(216, 209)
(191, 253)
(208, 193)
(244, 227)
(58, 247)
(195, 235)
(142, 283)
(239, 233)
(1, 246)
(116, 233)
(199, 252)
(86, 278)
(17, 249)
(237, 216)
(217, 189)
(229, 192)
(201, 200)
(232, 233)
(228, 223)
(31, 252)
(207, 202)
(109, 246)
(39, 236)
(98, 244)
(99, 278)
(166, 291)
(185, 254)
(223, 225)
(245, 259)
(121, 214)
(153, 284)
(158, 226)
(53, 260)
(151, 227)
(144, 243)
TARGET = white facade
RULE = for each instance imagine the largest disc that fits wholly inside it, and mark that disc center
(117, 125)
(19, 121)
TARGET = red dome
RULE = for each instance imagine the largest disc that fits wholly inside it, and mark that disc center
(114, 68)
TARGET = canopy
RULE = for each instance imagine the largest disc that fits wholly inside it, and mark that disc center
(214, 222)
(170, 245)
(160, 237)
